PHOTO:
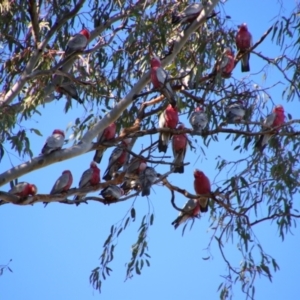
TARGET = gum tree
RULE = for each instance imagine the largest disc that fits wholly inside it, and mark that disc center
(113, 75)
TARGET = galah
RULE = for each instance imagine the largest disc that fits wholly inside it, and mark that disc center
(112, 193)
(243, 41)
(130, 184)
(160, 80)
(168, 119)
(89, 177)
(179, 146)
(54, 142)
(107, 134)
(225, 64)
(135, 167)
(235, 111)
(78, 42)
(202, 187)
(146, 179)
(23, 189)
(185, 77)
(117, 159)
(69, 89)
(198, 120)
(190, 13)
(275, 119)
(191, 209)
(62, 184)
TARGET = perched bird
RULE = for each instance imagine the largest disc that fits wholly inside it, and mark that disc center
(198, 120)
(117, 159)
(191, 209)
(78, 42)
(112, 193)
(225, 64)
(185, 74)
(190, 13)
(62, 184)
(135, 167)
(202, 187)
(107, 134)
(69, 89)
(243, 42)
(275, 119)
(54, 142)
(179, 146)
(23, 189)
(160, 80)
(168, 119)
(146, 179)
(235, 111)
(89, 177)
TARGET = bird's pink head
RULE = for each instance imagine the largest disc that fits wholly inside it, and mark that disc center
(93, 165)
(171, 108)
(198, 108)
(198, 174)
(142, 166)
(228, 50)
(33, 189)
(278, 109)
(180, 126)
(66, 172)
(155, 62)
(243, 27)
(86, 33)
(112, 125)
(58, 131)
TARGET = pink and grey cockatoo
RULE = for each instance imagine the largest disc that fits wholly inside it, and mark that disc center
(117, 159)
(62, 184)
(89, 177)
(168, 119)
(235, 111)
(191, 209)
(186, 77)
(107, 134)
(198, 120)
(23, 190)
(69, 89)
(160, 80)
(225, 64)
(275, 119)
(135, 167)
(243, 42)
(54, 142)
(179, 146)
(112, 193)
(202, 187)
(190, 13)
(78, 42)
(146, 179)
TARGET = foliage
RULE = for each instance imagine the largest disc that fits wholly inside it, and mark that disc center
(112, 78)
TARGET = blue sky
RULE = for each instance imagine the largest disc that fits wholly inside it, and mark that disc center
(54, 249)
